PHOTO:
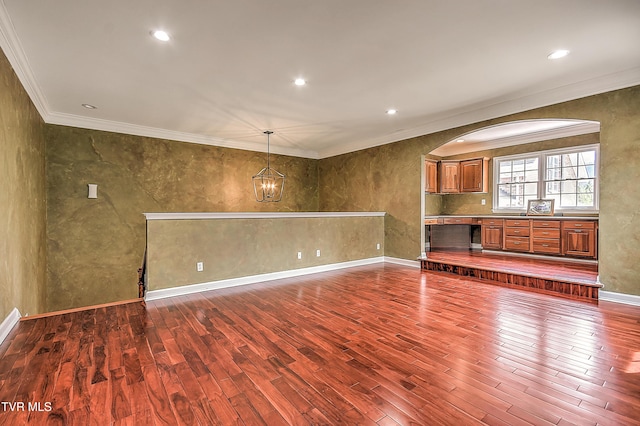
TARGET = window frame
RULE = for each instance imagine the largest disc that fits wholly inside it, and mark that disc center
(541, 183)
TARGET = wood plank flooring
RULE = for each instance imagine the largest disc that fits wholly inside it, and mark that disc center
(378, 345)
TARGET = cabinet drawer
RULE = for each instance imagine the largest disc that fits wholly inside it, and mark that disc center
(518, 222)
(578, 224)
(546, 223)
(543, 245)
(516, 243)
(546, 233)
(431, 221)
(458, 220)
(492, 222)
(517, 232)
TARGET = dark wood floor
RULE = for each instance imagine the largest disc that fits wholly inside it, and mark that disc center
(381, 344)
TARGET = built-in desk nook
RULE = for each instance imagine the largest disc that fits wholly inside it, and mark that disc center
(551, 253)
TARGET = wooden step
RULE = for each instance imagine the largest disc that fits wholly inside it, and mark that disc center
(546, 281)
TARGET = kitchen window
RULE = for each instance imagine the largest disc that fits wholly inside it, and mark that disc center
(569, 176)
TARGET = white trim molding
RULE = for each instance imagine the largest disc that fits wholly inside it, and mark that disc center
(252, 279)
(612, 296)
(403, 262)
(257, 215)
(9, 322)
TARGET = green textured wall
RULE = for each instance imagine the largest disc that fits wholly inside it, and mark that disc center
(387, 178)
(96, 245)
(233, 248)
(22, 199)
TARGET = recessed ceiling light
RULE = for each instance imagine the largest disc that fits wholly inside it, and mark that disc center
(557, 54)
(160, 35)
(89, 106)
(300, 82)
(460, 140)
(392, 111)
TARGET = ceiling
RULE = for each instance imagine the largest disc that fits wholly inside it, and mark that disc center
(227, 73)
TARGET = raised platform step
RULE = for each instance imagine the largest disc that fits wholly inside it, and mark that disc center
(562, 278)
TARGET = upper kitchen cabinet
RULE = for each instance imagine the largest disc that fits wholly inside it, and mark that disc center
(449, 176)
(431, 176)
(474, 175)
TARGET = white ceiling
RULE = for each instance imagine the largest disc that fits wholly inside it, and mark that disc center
(227, 73)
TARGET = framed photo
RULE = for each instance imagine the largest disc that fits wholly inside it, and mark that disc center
(540, 208)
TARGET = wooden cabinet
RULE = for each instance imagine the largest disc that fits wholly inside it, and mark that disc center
(557, 237)
(449, 176)
(492, 234)
(579, 238)
(454, 176)
(516, 235)
(431, 176)
(546, 236)
(474, 176)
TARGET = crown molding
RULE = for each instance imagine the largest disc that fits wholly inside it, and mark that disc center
(523, 101)
(12, 48)
(154, 132)
(490, 110)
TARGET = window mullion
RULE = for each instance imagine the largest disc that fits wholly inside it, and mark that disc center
(542, 172)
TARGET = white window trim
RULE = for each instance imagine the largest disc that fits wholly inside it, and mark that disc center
(542, 166)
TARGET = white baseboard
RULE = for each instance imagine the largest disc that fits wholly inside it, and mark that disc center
(404, 262)
(9, 322)
(611, 296)
(252, 279)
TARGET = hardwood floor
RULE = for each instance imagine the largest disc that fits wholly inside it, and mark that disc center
(381, 344)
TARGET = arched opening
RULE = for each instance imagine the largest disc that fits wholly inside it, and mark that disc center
(515, 165)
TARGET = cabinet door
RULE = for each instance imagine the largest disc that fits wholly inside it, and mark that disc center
(492, 237)
(431, 176)
(450, 176)
(579, 242)
(471, 175)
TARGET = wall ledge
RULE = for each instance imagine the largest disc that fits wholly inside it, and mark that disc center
(256, 215)
(611, 296)
(9, 322)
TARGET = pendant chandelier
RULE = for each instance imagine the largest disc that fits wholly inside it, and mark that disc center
(268, 184)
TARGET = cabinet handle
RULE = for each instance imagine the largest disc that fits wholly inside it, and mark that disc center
(545, 233)
(577, 225)
(545, 245)
(578, 231)
(516, 232)
(517, 243)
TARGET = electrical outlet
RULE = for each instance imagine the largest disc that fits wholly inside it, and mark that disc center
(318, 253)
(378, 246)
(483, 202)
(200, 266)
(299, 255)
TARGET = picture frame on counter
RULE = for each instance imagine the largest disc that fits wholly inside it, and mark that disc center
(540, 207)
